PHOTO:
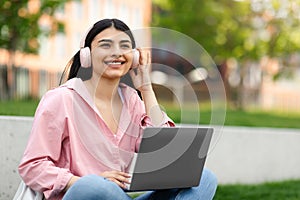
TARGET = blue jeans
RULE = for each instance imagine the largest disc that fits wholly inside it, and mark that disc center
(93, 187)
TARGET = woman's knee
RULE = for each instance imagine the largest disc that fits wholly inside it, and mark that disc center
(209, 180)
(205, 190)
(93, 187)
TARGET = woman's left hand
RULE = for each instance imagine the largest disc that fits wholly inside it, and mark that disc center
(141, 75)
(118, 177)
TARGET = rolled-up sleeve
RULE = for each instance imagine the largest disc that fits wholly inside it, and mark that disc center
(166, 122)
(144, 120)
(38, 167)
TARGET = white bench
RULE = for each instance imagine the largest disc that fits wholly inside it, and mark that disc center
(13, 139)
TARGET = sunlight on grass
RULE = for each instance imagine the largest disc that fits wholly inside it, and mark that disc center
(234, 117)
(18, 108)
(285, 190)
(190, 114)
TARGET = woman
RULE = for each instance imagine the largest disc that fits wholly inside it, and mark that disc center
(85, 132)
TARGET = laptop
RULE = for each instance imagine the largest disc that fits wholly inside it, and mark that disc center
(169, 157)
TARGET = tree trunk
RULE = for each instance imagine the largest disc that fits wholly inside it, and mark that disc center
(11, 84)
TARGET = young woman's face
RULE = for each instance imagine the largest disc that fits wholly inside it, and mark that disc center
(111, 52)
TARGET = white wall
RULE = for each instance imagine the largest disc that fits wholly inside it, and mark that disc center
(14, 133)
(254, 155)
(241, 154)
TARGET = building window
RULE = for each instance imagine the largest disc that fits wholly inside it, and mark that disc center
(77, 10)
(94, 10)
(76, 39)
(109, 9)
(22, 82)
(137, 18)
(44, 46)
(124, 13)
(43, 80)
(60, 40)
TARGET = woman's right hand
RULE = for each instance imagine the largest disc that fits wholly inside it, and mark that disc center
(71, 182)
(141, 74)
(118, 177)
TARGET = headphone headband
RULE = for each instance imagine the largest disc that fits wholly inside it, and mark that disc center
(82, 41)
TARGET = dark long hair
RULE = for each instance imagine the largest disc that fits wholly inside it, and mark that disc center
(73, 68)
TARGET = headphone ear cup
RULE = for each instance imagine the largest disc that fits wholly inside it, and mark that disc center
(85, 57)
(136, 59)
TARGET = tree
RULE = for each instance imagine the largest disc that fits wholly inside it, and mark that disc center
(239, 29)
(234, 28)
(20, 27)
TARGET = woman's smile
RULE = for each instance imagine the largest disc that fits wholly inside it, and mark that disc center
(115, 63)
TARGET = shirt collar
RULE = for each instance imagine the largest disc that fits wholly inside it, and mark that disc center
(78, 86)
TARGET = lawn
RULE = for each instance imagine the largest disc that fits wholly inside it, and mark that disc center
(253, 118)
(18, 108)
(235, 117)
(285, 190)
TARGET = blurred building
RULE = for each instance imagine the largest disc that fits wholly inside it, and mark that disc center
(253, 84)
(35, 74)
(284, 93)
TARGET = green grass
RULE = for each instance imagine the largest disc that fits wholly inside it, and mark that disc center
(235, 117)
(285, 190)
(18, 107)
(263, 119)
(252, 118)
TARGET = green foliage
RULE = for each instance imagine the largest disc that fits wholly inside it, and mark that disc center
(239, 29)
(20, 24)
(287, 190)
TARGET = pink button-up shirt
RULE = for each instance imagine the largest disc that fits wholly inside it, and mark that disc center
(69, 137)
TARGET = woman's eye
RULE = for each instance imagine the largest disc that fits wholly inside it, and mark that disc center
(125, 46)
(105, 45)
